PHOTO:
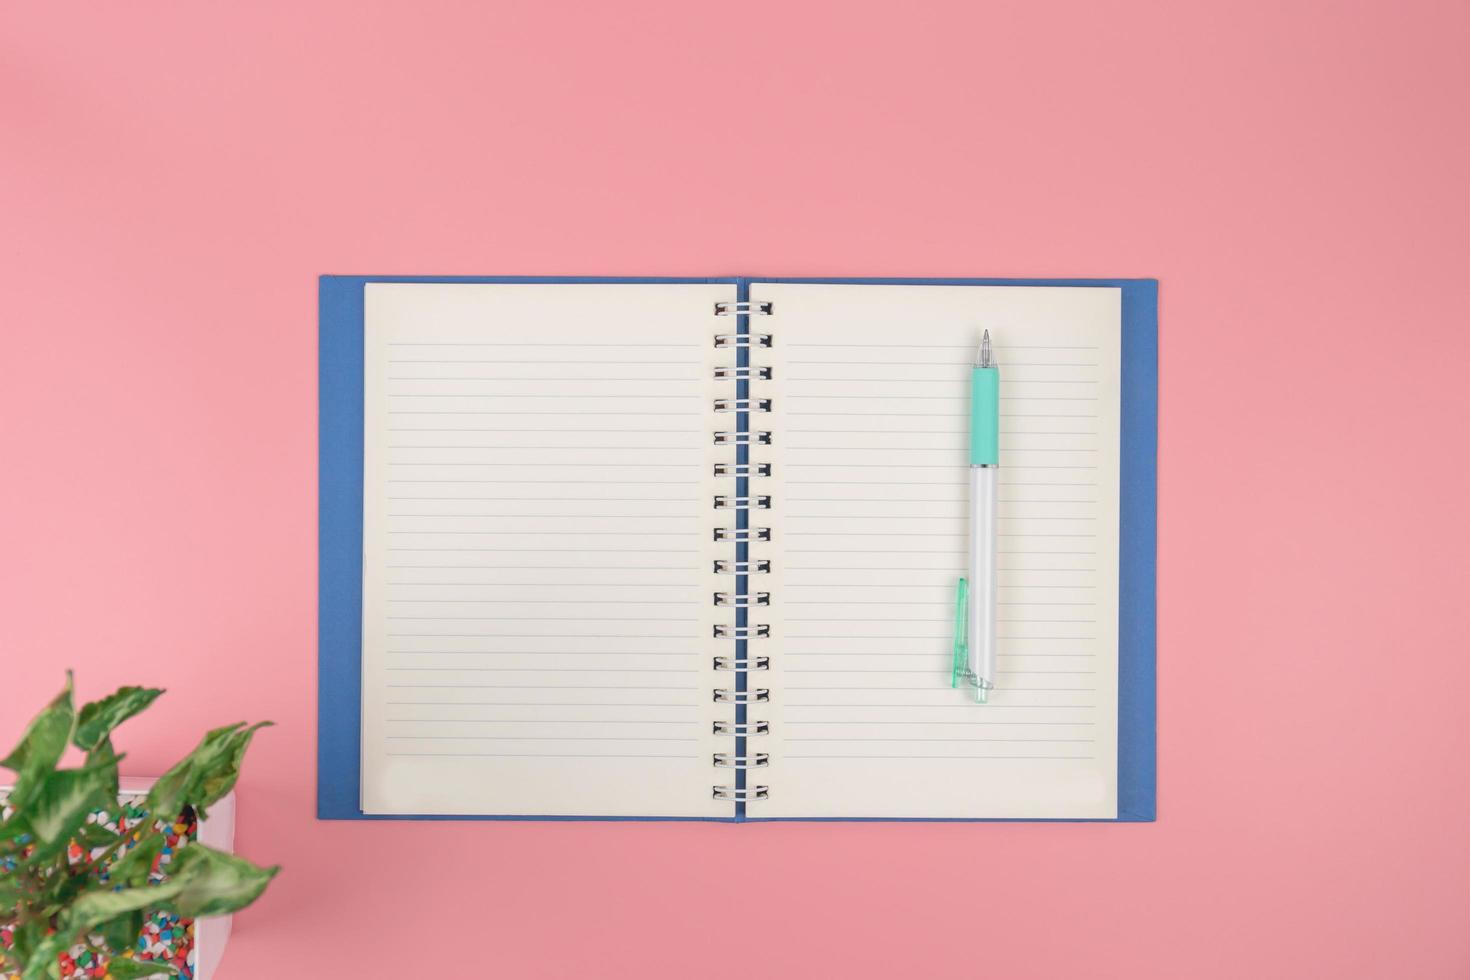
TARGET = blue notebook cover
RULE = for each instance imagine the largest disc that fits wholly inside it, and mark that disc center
(339, 689)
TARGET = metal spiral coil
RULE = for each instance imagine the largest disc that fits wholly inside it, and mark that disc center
(743, 406)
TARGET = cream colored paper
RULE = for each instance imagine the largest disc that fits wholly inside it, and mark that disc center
(537, 549)
(869, 516)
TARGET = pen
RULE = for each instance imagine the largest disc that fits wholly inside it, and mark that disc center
(984, 464)
(975, 610)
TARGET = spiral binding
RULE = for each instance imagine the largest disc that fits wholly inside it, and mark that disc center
(760, 308)
(743, 438)
(742, 534)
(759, 631)
(742, 373)
(740, 601)
(744, 731)
(742, 405)
(723, 502)
(746, 663)
(723, 695)
(742, 469)
(760, 566)
(742, 340)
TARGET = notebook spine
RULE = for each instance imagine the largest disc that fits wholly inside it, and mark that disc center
(745, 505)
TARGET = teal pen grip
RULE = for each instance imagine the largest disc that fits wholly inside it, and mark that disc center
(985, 416)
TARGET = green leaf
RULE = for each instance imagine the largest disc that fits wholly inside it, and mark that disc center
(102, 756)
(98, 719)
(201, 881)
(63, 802)
(11, 894)
(177, 786)
(134, 867)
(206, 774)
(123, 969)
(12, 829)
(93, 835)
(121, 932)
(56, 892)
(213, 882)
(27, 936)
(216, 781)
(43, 963)
(40, 747)
(100, 903)
(165, 798)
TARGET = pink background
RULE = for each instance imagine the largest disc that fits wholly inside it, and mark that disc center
(174, 176)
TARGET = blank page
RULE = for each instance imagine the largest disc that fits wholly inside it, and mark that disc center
(870, 517)
(537, 549)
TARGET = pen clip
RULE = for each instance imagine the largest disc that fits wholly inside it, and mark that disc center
(961, 665)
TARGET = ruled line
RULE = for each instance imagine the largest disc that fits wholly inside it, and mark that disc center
(544, 704)
(845, 739)
(544, 721)
(992, 757)
(568, 670)
(548, 653)
(535, 755)
(881, 721)
(542, 738)
(966, 707)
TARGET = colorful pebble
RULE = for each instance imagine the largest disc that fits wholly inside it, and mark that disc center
(166, 938)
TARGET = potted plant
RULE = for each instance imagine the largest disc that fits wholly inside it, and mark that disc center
(81, 873)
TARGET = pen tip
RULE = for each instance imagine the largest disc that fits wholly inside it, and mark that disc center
(982, 359)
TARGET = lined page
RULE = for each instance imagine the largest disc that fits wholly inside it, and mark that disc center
(871, 396)
(537, 549)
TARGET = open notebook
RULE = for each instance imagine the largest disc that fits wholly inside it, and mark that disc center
(688, 549)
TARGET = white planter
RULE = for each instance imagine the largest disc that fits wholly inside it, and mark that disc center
(218, 832)
(211, 934)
